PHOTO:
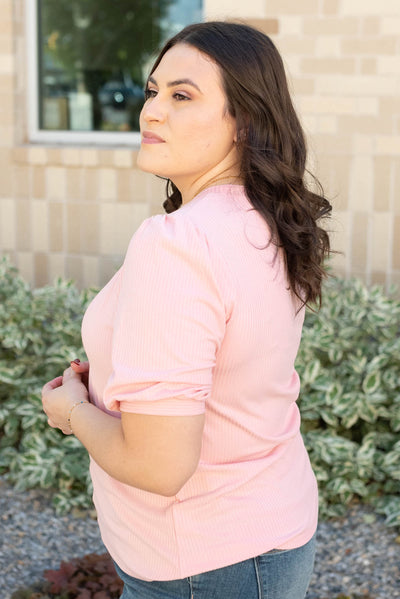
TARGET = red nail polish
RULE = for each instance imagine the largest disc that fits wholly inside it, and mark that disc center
(76, 361)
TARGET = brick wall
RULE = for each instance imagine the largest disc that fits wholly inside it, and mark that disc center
(70, 211)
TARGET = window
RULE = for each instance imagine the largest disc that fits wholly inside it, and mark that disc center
(90, 61)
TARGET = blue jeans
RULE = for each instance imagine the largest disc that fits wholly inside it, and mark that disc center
(273, 575)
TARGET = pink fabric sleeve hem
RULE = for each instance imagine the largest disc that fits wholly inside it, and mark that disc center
(170, 407)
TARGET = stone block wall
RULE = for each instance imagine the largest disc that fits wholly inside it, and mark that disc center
(70, 210)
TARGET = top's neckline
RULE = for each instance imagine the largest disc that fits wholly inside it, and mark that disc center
(234, 188)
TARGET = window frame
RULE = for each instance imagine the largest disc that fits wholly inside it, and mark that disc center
(62, 137)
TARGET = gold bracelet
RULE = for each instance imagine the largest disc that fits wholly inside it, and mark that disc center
(77, 403)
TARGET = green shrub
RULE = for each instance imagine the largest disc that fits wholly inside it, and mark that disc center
(349, 363)
(39, 336)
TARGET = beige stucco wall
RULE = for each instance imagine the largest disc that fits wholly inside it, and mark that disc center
(70, 211)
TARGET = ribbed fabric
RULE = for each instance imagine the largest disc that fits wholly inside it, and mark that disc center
(199, 319)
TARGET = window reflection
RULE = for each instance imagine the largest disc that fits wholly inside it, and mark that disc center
(93, 56)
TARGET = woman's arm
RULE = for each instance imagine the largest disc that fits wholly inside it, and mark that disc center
(153, 453)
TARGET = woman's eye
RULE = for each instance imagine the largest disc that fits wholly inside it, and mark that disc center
(180, 97)
(149, 93)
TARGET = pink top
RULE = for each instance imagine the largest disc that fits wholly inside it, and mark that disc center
(199, 319)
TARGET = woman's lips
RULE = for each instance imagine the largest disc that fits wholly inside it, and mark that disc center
(151, 138)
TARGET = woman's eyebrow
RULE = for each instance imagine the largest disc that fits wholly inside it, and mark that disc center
(177, 82)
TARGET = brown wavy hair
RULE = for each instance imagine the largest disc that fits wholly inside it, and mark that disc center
(273, 148)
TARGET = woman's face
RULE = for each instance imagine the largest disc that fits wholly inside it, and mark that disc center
(188, 135)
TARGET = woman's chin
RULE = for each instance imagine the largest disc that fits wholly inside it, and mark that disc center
(147, 166)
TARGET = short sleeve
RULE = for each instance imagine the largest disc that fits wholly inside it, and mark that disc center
(169, 323)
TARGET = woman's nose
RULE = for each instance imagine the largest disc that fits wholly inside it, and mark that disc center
(153, 110)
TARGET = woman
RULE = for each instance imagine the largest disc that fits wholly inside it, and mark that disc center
(202, 484)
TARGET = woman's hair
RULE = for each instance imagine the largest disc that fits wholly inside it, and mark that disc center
(271, 144)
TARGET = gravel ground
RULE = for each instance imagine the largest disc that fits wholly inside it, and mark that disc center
(357, 555)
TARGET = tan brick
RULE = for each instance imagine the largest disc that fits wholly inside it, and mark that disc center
(107, 184)
(73, 269)
(56, 227)
(7, 64)
(395, 280)
(106, 158)
(56, 183)
(284, 7)
(74, 227)
(156, 194)
(37, 155)
(89, 215)
(90, 185)
(396, 186)
(330, 7)
(268, 26)
(381, 225)
(369, 66)
(341, 180)
(7, 135)
(302, 85)
(369, 7)
(122, 158)
(108, 267)
(56, 267)
(114, 220)
(7, 177)
(90, 157)
(367, 106)
(371, 26)
(71, 156)
(359, 241)
(7, 224)
(294, 44)
(20, 155)
(38, 182)
(23, 224)
(365, 124)
(90, 271)
(334, 26)
(39, 226)
(25, 265)
(74, 183)
(125, 185)
(6, 44)
(54, 156)
(361, 184)
(363, 144)
(290, 25)
(327, 45)
(396, 243)
(6, 26)
(388, 64)
(390, 25)
(382, 183)
(21, 181)
(327, 124)
(389, 105)
(40, 261)
(379, 278)
(388, 145)
(356, 85)
(371, 46)
(331, 144)
(328, 65)
(327, 105)
(6, 83)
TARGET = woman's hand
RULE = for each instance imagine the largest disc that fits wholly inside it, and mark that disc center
(81, 368)
(60, 394)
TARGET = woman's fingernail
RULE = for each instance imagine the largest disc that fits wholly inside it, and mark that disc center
(76, 361)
